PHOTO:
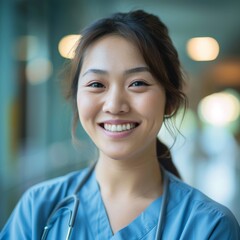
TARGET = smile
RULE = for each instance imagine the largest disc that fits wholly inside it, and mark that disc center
(119, 127)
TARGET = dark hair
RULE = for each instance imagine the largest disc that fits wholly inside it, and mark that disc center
(151, 37)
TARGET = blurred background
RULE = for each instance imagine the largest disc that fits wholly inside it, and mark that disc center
(35, 122)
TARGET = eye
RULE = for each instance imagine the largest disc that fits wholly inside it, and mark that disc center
(96, 85)
(139, 83)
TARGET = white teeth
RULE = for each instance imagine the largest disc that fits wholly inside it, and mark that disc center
(119, 127)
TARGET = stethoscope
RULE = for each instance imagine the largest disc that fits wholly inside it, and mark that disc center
(75, 200)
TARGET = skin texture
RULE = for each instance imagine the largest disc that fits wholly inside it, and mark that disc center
(117, 99)
(115, 87)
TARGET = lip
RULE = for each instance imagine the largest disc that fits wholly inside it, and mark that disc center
(117, 121)
(117, 135)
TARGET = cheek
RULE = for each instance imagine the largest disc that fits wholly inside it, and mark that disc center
(152, 106)
(86, 107)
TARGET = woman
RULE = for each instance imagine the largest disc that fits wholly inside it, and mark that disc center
(125, 81)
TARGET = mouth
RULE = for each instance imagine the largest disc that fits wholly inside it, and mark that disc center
(118, 127)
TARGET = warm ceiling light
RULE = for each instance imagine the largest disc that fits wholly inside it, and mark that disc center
(202, 48)
(67, 45)
(219, 109)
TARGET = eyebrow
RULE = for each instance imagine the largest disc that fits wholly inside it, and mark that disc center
(94, 70)
(127, 72)
(137, 70)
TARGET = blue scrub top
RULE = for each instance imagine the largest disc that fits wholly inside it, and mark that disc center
(190, 214)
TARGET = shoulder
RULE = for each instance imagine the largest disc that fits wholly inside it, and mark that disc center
(31, 213)
(197, 211)
(194, 198)
(59, 186)
(183, 193)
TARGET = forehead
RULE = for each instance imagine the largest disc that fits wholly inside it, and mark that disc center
(112, 51)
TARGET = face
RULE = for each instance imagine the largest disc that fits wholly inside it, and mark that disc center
(120, 104)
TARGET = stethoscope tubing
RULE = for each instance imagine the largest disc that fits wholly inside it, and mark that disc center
(86, 177)
(72, 198)
(66, 200)
(162, 214)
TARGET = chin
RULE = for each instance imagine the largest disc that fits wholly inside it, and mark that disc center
(114, 156)
(119, 154)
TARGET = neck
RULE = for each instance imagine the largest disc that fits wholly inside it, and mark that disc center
(140, 178)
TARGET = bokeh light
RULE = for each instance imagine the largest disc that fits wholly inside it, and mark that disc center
(202, 48)
(38, 70)
(219, 109)
(67, 45)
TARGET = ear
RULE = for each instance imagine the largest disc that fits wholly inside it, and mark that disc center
(169, 109)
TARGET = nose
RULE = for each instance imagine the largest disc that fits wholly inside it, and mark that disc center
(116, 102)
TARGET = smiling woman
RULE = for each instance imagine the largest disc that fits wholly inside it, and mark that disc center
(123, 96)
(124, 80)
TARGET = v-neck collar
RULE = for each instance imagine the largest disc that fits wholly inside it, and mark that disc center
(99, 221)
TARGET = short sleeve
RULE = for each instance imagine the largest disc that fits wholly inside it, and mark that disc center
(18, 225)
(30, 215)
(227, 227)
